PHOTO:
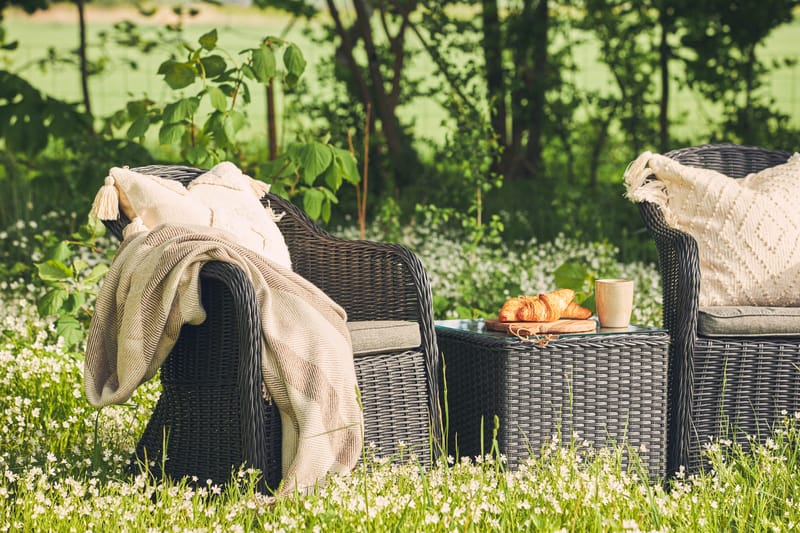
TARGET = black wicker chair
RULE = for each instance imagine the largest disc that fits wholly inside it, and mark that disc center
(719, 386)
(211, 414)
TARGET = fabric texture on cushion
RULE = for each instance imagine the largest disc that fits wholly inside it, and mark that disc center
(747, 230)
(223, 198)
(229, 194)
(381, 336)
(743, 321)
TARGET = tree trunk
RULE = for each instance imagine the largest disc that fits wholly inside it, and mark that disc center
(390, 126)
(346, 52)
(537, 87)
(493, 58)
(519, 30)
(272, 126)
(750, 84)
(528, 40)
(83, 60)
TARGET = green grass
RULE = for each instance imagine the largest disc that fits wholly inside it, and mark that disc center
(59, 474)
(63, 463)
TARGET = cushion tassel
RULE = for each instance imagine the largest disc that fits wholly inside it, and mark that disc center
(259, 187)
(136, 226)
(106, 202)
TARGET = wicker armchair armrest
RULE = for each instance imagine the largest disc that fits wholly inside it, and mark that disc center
(211, 410)
(370, 280)
(255, 436)
(680, 273)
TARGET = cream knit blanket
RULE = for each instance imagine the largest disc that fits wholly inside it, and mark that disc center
(152, 289)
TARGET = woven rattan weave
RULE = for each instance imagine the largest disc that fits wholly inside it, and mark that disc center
(721, 386)
(211, 413)
(607, 388)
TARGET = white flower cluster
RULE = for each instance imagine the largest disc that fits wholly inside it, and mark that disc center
(464, 275)
(63, 463)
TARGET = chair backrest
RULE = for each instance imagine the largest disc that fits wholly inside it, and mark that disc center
(732, 160)
(677, 250)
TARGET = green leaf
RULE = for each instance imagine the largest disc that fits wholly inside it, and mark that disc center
(229, 128)
(238, 119)
(291, 80)
(139, 127)
(177, 75)
(277, 168)
(75, 301)
(197, 155)
(349, 165)
(136, 108)
(180, 110)
(330, 196)
(213, 66)
(333, 176)
(294, 60)
(52, 270)
(218, 99)
(94, 228)
(326, 211)
(96, 273)
(314, 158)
(312, 203)
(70, 329)
(571, 275)
(61, 252)
(208, 40)
(170, 133)
(263, 63)
(294, 149)
(213, 123)
(247, 70)
(52, 302)
(79, 265)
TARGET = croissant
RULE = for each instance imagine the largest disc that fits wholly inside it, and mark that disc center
(542, 308)
(574, 310)
(534, 309)
(556, 302)
(508, 313)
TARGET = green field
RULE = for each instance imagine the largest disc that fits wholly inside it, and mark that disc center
(241, 28)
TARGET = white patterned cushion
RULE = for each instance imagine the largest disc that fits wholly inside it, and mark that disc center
(747, 230)
(222, 198)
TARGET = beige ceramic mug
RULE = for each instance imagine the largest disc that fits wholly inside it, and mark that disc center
(614, 300)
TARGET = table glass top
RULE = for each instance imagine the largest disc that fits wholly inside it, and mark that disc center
(477, 325)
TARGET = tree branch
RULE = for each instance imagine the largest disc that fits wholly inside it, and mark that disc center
(389, 123)
(443, 67)
(347, 48)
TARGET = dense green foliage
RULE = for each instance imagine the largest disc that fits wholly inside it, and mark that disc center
(528, 145)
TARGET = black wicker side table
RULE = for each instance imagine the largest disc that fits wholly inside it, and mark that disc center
(609, 386)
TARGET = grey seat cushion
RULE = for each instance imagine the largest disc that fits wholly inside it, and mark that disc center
(381, 336)
(743, 321)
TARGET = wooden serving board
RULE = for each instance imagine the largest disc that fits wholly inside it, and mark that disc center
(566, 325)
